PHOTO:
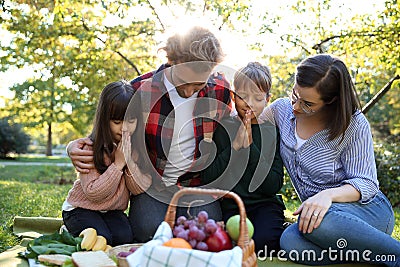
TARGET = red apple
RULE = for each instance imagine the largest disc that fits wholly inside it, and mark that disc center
(218, 241)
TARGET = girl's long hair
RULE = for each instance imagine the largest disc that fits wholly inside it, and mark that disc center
(112, 105)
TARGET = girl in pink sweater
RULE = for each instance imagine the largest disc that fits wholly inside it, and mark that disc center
(99, 198)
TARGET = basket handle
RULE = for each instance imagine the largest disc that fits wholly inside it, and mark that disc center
(243, 230)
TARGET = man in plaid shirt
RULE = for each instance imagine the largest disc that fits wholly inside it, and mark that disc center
(182, 104)
(211, 103)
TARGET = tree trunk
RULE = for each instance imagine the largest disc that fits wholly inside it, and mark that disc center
(49, 149)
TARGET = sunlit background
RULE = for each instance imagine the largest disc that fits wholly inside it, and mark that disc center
(60, 54)
(238, 42)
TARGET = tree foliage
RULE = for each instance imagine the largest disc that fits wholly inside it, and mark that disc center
(369, 44)
(75, 53)
(373, 50)
(388, 166)
(12, 138)
(77, 47)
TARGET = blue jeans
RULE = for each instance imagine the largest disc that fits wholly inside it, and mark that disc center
(147, 212)
(348, 232)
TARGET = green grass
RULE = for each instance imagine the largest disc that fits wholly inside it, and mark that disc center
(37, 173)
(41, 190)
(34, 158)
(31, 191)
(27, 199)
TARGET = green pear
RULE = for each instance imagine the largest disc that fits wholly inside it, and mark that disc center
(233, 224)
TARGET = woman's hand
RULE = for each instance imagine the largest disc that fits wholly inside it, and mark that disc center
(81, 158)
(313, 210)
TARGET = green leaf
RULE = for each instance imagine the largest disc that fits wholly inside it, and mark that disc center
(69, 239)
(68, 263)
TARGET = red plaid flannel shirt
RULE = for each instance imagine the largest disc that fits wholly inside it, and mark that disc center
(212, 104)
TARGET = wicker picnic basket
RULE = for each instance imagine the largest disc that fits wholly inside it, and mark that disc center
(246, 244)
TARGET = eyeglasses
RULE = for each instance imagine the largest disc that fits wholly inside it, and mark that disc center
(304, 106)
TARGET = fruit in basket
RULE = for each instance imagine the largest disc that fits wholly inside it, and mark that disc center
(202, 233)
(233, 226)
(202, 216)
(219, 241)
(184, 234)
(89, 238)
(181, 220)
(192, 230)
(211, 226)
(202, 246)
(177, 242)
(124, 254)
(133, 249)
(193, 243)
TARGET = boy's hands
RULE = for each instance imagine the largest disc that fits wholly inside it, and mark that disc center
(243, 137)
(81, 159)
(248, 128)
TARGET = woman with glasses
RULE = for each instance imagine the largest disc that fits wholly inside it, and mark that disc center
(327, 149)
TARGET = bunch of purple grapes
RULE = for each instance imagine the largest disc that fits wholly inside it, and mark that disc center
(195, 230)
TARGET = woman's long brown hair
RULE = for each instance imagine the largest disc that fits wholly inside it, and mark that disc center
(330, 76)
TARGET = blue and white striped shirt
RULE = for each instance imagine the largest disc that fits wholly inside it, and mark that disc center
(320, 164)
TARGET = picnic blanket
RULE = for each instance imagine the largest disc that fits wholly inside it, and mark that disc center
(32, 227)
(29, 228)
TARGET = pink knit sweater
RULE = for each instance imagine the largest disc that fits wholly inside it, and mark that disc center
(108, 191)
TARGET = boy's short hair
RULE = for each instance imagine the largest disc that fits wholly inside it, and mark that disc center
(256, 73)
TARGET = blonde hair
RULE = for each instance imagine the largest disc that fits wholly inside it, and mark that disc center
(197, 44)
(256, 73)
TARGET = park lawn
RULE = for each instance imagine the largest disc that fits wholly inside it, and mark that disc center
(41, 190)
(27, 199)
(35, 158)
(37, 173)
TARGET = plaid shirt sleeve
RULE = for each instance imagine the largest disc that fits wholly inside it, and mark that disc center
(213, 104)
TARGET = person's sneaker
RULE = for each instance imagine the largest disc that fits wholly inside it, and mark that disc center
(63, 228)
(286, 224)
